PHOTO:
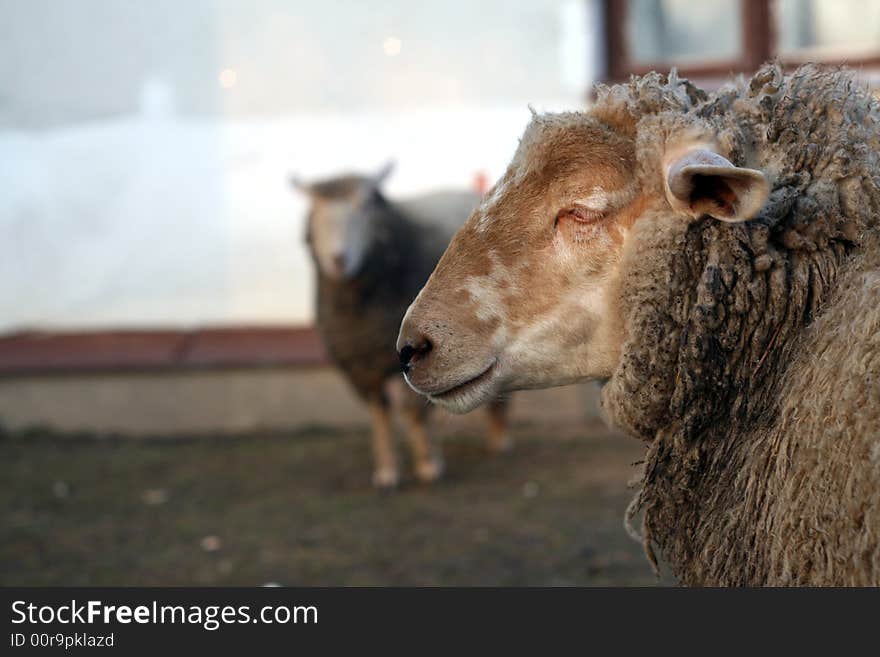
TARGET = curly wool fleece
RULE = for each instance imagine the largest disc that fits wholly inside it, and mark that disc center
(752, 356)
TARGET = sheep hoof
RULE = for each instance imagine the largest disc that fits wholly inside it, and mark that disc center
(430, 471)
(386, 478)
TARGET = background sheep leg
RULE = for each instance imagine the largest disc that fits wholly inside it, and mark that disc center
(385, 470)
(498, 439)
(427, 455)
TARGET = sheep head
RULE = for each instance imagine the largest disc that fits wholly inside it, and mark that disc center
(339, 228)
(526, 294)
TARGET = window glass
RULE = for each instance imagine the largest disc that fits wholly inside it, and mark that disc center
(146, 147)
(683, 30)
(828, 28)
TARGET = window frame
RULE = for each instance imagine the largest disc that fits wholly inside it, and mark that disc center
(758, 44)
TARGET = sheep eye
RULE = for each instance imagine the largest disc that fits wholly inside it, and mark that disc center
(580, 214)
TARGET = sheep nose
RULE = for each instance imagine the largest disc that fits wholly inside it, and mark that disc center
(414, 350)
(339, 261)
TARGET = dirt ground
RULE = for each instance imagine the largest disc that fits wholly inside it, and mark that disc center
(297, 509)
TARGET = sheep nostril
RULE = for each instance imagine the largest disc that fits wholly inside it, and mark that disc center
(406, 355)
(410, 353)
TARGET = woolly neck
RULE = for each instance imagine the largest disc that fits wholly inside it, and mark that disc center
(715, 314)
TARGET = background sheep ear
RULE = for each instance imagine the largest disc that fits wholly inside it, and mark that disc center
(298, 184)
(700, 182)
(383, 173)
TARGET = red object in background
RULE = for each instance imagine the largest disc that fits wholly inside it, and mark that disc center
(481, 181)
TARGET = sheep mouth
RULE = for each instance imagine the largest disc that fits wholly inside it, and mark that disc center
(467, 394)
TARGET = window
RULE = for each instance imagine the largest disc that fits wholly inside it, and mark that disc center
(822, 30)
(710, 39)
(679, 30)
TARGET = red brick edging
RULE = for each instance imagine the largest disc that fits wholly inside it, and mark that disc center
(35, 352)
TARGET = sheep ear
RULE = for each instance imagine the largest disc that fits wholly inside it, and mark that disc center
(382, 174)
(700, 182)
(301, 186)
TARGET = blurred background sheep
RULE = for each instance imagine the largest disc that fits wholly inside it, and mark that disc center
(156, 293)
(372, 256)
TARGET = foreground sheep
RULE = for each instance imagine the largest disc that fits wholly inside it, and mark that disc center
(372, 255)
(715, 261)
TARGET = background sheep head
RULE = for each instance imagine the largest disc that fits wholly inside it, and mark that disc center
(528, 293)
(340, 227)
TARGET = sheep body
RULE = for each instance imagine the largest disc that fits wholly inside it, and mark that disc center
(752, 358)
(358, 318)
(358, 312)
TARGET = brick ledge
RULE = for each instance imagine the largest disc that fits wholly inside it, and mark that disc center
(34, 352)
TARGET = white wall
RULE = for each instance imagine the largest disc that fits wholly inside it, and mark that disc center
(154, 204)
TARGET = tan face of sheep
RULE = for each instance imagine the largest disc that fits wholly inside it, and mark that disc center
(340, 230)
(524, 296)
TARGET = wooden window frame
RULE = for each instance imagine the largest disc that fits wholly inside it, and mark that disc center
(757, 46)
